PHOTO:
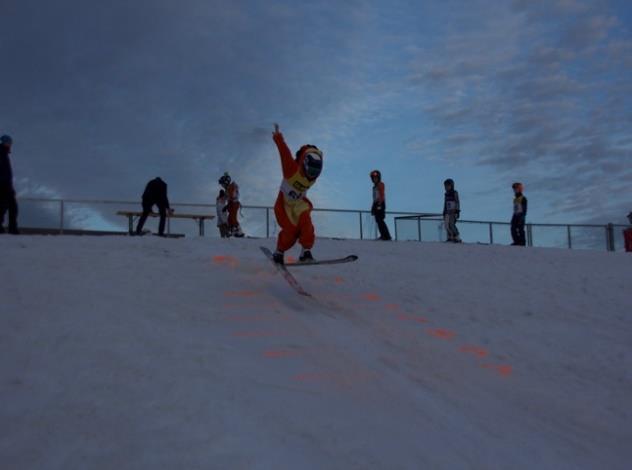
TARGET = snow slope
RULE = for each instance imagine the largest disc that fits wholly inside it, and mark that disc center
(149, 353)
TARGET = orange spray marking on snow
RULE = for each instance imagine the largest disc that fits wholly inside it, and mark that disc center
(415, 318)
(504, 370)
(474, 350)
(222, 260)
(441, 333)
(370, 297)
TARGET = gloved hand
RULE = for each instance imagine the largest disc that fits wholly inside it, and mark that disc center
(378, 207)
(171, 211)
(225, 208)
(458, 215)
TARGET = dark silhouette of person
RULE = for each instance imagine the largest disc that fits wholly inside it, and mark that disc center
(155, 194)
(519, 216)
(7, 192)
(378, 209)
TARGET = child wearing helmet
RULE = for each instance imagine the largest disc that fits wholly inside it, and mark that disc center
(292, 208)
(232, 206)
(451, 211)
(378, 209)
(519, 216)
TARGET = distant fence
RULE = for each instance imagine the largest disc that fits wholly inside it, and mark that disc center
(65, 215)
(430, 227)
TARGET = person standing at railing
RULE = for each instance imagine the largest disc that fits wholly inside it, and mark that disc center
(451, 211)
(292, 208)
(232, 207)
(7, 192)
(155, 194)
(519, 216)
(378, 209)
(222, 217)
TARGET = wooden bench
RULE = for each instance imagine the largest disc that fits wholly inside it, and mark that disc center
(199, 218)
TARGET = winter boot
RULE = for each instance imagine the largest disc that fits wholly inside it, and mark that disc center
(277, 257)
(306, 257)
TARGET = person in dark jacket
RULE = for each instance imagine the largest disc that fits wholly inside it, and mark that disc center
(7, 192)
(519, 216)
(451, 211)
(155, 194)
(378, 209)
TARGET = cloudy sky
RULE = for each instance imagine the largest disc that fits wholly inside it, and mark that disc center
(102, 96)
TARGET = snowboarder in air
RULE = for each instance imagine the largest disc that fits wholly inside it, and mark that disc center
(155, 194)
(378, 209)
(222, 216)
(292, 208)
(451, 211)
(519, 216)
(233, 205)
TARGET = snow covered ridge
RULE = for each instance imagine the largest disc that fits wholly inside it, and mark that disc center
(145, 353)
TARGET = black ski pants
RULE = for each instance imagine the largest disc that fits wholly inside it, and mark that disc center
(147, 206)
(517, 230)
(8, 203)
(380, 214)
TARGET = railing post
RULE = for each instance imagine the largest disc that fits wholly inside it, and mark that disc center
(529, 235)
(570, 240)
(267, 222)
(61, 216)
(610, 237)
(361, 228)
(491, 234)
(419, 228)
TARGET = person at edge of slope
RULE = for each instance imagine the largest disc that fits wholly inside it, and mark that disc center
(8, 203)
(519, 216)
(378, 209)
(292, 208)
(232, 206)
(451, 211)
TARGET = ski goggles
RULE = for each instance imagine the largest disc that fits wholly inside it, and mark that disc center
(313, 165)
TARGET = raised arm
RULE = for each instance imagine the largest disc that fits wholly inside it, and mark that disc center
(287, 161)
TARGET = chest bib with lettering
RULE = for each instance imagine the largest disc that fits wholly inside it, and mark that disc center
(295, 187)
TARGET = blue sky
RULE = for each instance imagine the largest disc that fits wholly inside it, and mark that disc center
(101, 97)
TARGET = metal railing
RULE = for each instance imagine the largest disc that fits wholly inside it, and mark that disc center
(259, 221)
(430, 227)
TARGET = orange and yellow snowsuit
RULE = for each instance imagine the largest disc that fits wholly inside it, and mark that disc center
(292, 209)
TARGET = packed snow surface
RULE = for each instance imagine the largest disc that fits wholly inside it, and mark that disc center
(150, 353)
